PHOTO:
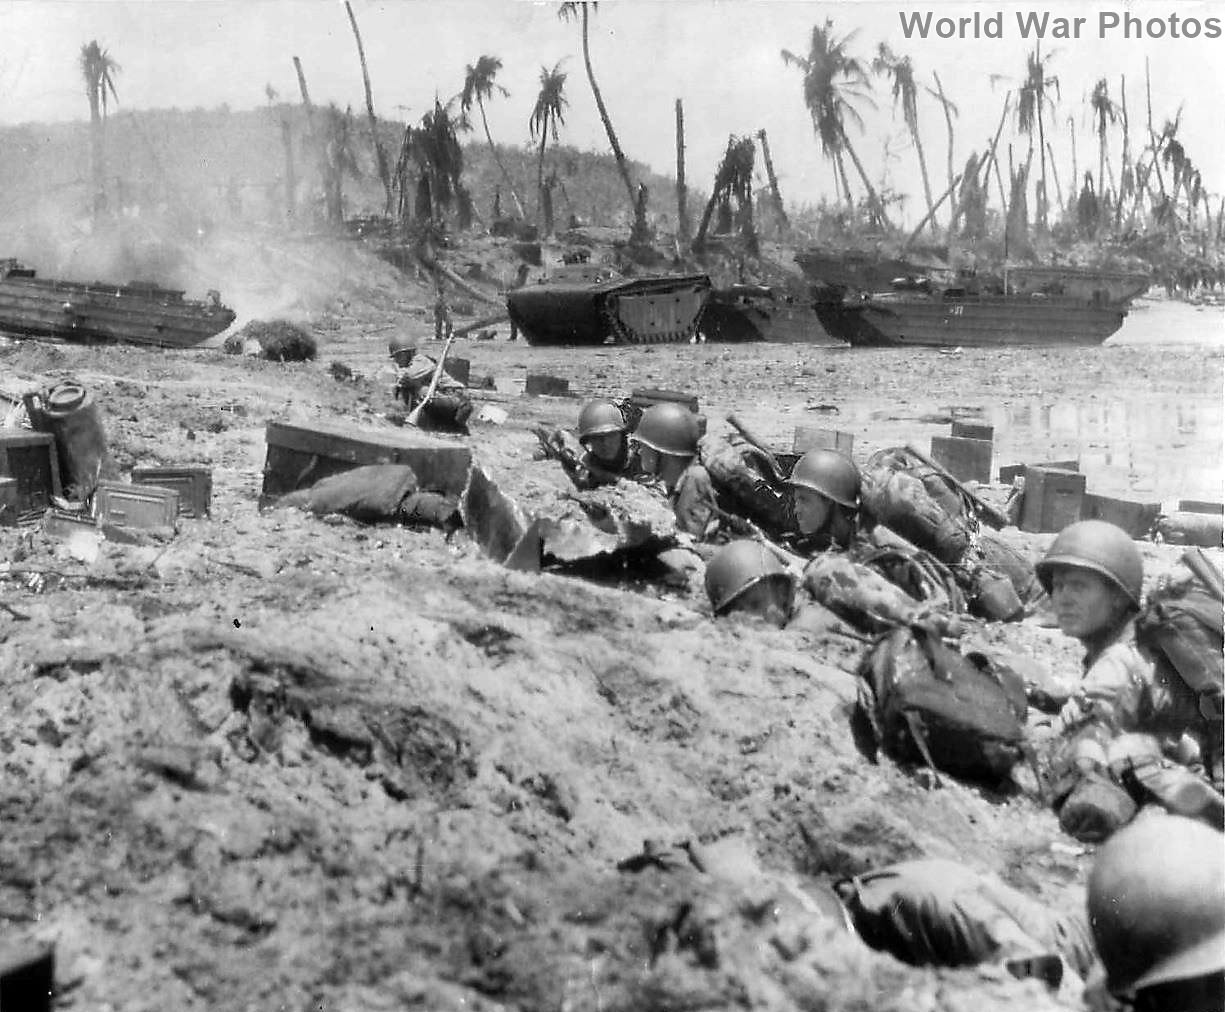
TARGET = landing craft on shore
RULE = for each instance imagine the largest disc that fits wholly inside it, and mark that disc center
(98, 311)
(584, 305)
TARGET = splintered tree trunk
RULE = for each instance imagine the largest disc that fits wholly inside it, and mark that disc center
(682, 195)
(1055, 174)
(480, 103)
(1118, 205)
(379, 154)
(291, 182)
(948, 123)
(778, 197)
(994, 161)
(873, 197)
(97, 158)
(927, 186)
(700, 239)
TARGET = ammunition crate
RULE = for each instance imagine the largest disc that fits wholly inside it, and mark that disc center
(1200, 506)
(299, 455)
(63, 523)
(643, 397)
(194, 485)
(458, 369)
(538, 384)
(30, 458)
(1011, 472)
(811, 437)
(970, 430)
(1053, 499)
(135, 507)
(1136, 518)
(27, 976)
(965, 459)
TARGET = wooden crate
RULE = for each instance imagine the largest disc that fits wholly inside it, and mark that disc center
(1136, 518)
(135, 507)
(813, 437)
(193, 484)
(965, 459)
(1011, 472)
(539, 384)
(971, 430)
(31, 459)
(299, 455)
(1200, 506)
(1053, 499)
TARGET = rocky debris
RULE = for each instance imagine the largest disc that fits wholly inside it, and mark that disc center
(275, 340)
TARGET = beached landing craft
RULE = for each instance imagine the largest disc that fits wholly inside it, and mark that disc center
(760, 313)
(98, 311)
(584, 306)
(954, 317)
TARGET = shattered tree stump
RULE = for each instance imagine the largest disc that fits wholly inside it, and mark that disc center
(299, 455)
(530, 516)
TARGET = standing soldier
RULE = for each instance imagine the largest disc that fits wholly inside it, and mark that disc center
(442, 312)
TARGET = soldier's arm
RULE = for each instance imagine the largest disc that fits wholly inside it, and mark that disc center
(1110, 695)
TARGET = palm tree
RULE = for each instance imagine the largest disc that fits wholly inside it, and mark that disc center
(433, 148)
(637, 204)
(479, 85)
(1104, 113)
(833, 80)
(1033, 98)
(547, 114)
(99, 70)
(733, 179)
(904, 94)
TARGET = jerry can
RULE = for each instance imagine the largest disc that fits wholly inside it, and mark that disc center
(69, 413)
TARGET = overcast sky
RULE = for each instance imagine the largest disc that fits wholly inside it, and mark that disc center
(722, 59)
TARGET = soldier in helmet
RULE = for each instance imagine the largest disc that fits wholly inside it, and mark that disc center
(746, 576)
(825, 493)
(666, 441)
(606, 456)
(449, 408)
(1156, 902)
(1130, 724)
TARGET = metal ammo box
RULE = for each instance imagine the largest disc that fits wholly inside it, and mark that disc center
(299, 455)
(143, 507)
(194, 485)
(30, 459)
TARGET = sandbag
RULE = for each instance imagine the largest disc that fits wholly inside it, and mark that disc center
(372, 493)
(941, 913)
(919, 503)
(1184, 624)
(919, 574)
(742, 477)
(858, 594)
(925, 701)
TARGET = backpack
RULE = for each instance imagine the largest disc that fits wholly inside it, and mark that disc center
(919, 574)
(1182, 624)
(924, 701)
(742, 477)
(919, 503)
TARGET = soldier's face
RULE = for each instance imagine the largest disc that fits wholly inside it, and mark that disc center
(1086, 604)
(605, 445)
(812, 510)
(649, 458)
(768, 599)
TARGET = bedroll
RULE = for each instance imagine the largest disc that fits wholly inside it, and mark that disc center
(919, 503)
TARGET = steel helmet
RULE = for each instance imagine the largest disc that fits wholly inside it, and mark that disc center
(599, 417)
(829, 472)
(400, 343)
(1157, 902)
(669, 428)
(736, 567)
(1100, 547)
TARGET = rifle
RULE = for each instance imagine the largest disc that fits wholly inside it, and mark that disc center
(751, 438)
(429, 392)
(556, 450)
(988, 513)
(1195, 560)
